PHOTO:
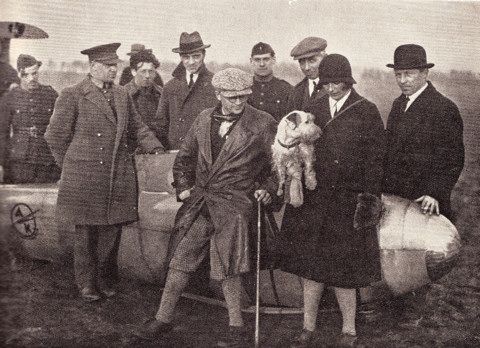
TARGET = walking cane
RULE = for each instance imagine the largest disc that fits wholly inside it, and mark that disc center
(257, 294)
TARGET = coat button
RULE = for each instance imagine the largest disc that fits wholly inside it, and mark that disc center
(101, 162)
(181, 119)
(99, 134)
(181, 138)
(102, 148)
(261, 103)
(262, 93)
(336, 162)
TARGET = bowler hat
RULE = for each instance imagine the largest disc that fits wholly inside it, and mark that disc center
(308, 47)
(136, 48)
(335, 68)
(106, 54)
(410, 56)
(262, 48)
(190, 43)
(26, 61)
(232, 82)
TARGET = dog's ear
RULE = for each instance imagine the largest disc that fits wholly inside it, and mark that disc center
(293, 119)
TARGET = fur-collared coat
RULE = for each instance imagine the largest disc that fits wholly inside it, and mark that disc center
(180, 105)
(227, 185)
(318, 240)
(425, 152)
(91, 145)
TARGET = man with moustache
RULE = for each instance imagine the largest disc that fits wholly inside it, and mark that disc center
(187, 94)
(306, 94)
(425, 151)
(222, 170)
(144, 91)
(92, 134)
(26, 111)
(269, 93)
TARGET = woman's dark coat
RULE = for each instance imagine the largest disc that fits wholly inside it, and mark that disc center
(91, 145)
(227, 185)
(425, 152)
(318, 240)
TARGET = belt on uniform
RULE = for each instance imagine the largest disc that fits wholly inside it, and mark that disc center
(33, 131)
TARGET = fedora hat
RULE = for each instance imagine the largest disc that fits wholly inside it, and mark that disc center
(410, 56)
(335, 68)
(190, 43)
(136, 47)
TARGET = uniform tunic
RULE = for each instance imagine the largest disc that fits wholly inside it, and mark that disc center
(271, 96)
(25, 154)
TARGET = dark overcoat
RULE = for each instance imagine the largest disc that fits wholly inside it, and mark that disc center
(180, 105)
(318, 240)
(271, 96)
(89, 143)
(425, 151)
(27, 114)
(227, 185)
(300, 99)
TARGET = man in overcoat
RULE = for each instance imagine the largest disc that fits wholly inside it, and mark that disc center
(222, 170)
(144, 91)
(331, 240)
(187, 94)
(92, 135)
(425, 151)
(306, 94)
(269, 93)
(26, 111)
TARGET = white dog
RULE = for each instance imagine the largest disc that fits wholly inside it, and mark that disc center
(292, 154)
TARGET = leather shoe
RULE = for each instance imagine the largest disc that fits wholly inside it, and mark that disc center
(152, 329)
(90, 294)
(305, 339)
(237, 336)
(346, 340)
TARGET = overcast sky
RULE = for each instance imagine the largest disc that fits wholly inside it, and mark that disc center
(367, 32)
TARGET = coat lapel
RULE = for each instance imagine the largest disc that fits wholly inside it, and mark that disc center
(205, 145)
(93, 94)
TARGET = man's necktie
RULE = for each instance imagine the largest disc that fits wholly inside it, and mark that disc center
(403, 103)
(315, 91)
(335, 110)
(190, 83)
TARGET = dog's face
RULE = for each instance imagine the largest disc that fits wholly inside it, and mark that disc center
(300, 125)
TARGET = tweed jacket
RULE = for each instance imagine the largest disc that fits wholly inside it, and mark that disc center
(91, 145)
(227, 185)
(425, 151)
(299, 99)
(180, 105)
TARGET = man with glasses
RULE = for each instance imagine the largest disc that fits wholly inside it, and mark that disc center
(187, 94)
(89, 135)
(222, 170)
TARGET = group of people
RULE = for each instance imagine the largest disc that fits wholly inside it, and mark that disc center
(224, 125)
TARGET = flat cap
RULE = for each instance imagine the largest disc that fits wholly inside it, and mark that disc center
(308, 47)
(26, 61)
(262, 48)
(232, 82)
(106, 54)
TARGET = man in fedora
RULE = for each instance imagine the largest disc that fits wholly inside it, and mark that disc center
(425, 152)
(26, 110)
(269, 93)
(127, 75)
(222, 169)
(306, 94)
(187, 94)
(91, 135)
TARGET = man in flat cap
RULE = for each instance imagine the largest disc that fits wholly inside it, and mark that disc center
(92, 134)
(144, 91)
(269, 93)
(188, 93)
(127, 75)
(222, 170)
(306, 94)
(425, 151)
(25, 112)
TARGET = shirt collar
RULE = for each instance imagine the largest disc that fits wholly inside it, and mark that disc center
(334, 104)
(416, 94)
(187, 76)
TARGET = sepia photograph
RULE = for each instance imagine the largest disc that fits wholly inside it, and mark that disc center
(250, 173)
